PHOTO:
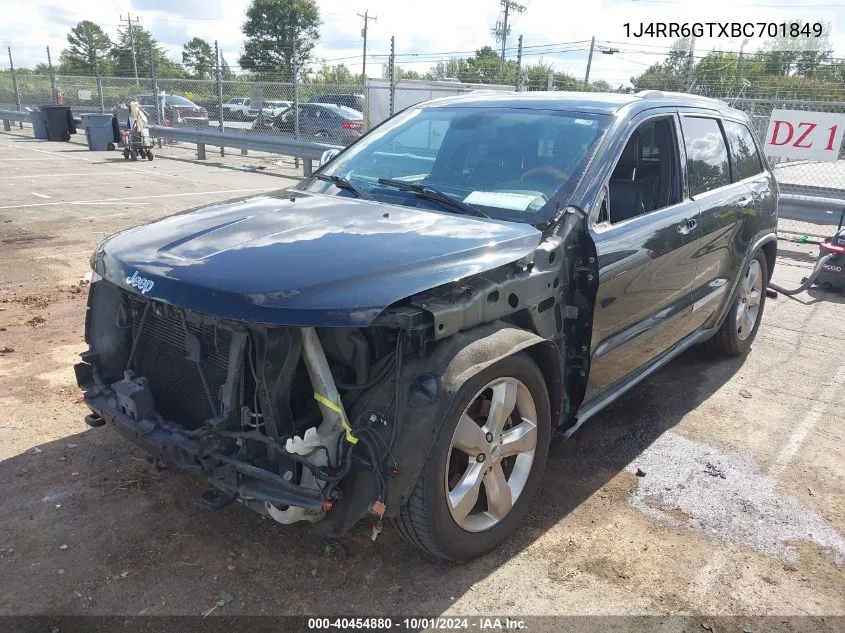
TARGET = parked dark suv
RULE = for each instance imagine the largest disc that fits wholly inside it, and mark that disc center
(401, 334)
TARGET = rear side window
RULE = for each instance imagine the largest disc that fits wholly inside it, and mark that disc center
(744, 157)
(707, 154)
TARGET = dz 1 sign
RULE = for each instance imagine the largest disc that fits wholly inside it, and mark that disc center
(801, 134)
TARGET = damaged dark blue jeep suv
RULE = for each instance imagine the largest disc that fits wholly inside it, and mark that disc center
(399, 336)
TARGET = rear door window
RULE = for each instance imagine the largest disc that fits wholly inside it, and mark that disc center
(745, 160)
(707, 154)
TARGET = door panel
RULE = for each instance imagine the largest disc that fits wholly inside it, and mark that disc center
(646, 269)
(722, 245)
(730, 217)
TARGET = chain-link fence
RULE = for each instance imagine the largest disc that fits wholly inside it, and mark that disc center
(820, 179)
(340, 113)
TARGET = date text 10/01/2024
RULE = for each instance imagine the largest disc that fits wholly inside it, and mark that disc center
(418, 623)
(724, 29)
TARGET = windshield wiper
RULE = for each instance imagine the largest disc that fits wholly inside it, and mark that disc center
(427, 192)
(342, 183)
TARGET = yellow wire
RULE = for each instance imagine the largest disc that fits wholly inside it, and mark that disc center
(336, 408)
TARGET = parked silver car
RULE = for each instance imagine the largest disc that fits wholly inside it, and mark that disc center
(318, 121)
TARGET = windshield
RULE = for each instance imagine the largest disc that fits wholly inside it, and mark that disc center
(507, 162)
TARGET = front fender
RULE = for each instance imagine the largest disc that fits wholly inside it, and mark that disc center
(427, 390)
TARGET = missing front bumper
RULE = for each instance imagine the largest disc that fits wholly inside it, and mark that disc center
(200, 453)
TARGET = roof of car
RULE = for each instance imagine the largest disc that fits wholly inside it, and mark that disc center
(592, 102)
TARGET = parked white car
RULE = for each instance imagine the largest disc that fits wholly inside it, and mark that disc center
(237, 108)
(271, 108)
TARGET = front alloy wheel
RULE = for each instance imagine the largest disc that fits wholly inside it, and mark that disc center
(491, 454)
(484, 465)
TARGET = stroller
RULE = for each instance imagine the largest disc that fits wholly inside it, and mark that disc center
(136, 140)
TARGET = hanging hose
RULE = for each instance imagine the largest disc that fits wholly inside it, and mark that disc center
(809, 281)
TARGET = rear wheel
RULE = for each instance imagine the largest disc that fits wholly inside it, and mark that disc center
(740, 326)
(485, 464)
(126, 153)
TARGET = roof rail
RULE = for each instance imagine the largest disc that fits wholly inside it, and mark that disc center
(651, 94)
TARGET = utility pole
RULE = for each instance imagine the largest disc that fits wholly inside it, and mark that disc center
(502, 30)
(519, 82)
(132, 45)
(690, 63)
(367, 19)
(589, 62)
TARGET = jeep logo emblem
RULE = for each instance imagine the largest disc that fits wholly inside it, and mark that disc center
(144, 285)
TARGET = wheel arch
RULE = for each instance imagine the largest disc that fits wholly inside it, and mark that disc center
(427, 388)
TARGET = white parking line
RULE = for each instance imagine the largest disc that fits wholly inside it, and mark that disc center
(132, 198)
(801, 430)
(43, 151)
(51, 176)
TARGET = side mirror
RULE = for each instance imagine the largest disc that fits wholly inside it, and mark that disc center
(328, 155)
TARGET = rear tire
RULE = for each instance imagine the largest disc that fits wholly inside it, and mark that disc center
(449, 516)
(739, 329)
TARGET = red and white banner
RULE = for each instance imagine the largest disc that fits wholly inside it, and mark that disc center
(802, 134)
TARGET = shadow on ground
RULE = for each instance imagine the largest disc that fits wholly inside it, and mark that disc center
(139, 541)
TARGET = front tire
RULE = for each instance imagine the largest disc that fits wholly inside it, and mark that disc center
(485, 465)
(739, 329)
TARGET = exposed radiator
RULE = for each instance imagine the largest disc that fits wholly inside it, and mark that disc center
(175, 381)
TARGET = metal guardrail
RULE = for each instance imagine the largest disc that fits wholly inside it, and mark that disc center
(306, 150)
(811, 209)
(8, 116)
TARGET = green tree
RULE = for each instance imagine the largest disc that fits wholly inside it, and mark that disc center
(671, 74)
(146, 49)
(198, 59)
(88, 43)
(454, 68)
(280, 36)
(339, 74)
(401, 73)
(483, 68)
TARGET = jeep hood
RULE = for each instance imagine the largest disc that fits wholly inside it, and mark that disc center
(290, 258)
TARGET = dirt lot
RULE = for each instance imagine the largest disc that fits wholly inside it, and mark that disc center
(741, 509)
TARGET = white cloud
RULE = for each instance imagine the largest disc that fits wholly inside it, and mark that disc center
(431, 29)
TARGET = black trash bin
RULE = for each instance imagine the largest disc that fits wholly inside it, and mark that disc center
(60, 124)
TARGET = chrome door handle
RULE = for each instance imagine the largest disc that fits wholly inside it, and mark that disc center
(692, 223)
(744, 201)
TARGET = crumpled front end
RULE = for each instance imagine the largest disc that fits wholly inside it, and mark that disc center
(254, 409)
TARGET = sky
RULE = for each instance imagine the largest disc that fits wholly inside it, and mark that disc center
(426, 31)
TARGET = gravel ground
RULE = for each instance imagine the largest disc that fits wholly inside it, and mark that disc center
(715, 487)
